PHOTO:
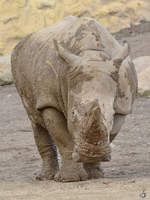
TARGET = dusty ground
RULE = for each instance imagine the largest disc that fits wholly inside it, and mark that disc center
(127, 176)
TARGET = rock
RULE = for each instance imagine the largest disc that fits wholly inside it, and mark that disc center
(5, 71)
(141, 63)
(144, 82)
(46, 4)
(142, 66)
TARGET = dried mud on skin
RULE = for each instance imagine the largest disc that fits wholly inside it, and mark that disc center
(127, 175)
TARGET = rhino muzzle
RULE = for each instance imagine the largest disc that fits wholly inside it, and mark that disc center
(89, 153)
(92, 143)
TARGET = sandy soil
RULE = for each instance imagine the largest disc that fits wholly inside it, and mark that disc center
(127, 176)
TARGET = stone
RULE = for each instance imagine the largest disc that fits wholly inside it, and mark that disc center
(144, 81)
(142, 66)
(141, 63)
(46, 4)
(5, 71)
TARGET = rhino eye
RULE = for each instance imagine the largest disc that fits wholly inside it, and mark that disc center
(86, 114)
(74, 114)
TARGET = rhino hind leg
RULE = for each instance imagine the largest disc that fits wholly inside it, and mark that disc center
(93, 170)
(47, 151)
(56, 125)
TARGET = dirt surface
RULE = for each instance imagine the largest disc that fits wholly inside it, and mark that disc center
(127, 176)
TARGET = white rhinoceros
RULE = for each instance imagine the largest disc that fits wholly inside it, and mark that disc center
(77, 84)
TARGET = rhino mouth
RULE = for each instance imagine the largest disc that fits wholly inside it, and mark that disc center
(90, 153)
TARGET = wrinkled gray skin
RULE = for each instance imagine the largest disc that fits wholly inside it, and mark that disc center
(77, 85)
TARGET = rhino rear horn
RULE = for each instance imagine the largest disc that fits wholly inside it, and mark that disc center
(124, 52)
(71, 59)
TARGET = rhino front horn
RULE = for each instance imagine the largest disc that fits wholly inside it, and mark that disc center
(71, 59)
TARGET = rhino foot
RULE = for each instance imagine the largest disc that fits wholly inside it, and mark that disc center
(93, 170)
(49, 169)
(43, 176)
(46, 174)
(71, 172)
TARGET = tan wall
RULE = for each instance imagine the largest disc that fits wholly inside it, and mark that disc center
(21, 17)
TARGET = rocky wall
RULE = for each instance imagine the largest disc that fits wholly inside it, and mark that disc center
(21, 17)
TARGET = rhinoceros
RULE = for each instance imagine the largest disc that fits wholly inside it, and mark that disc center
(77, 84)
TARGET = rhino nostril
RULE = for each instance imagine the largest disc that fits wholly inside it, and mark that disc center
(108, 157)
(95, 143)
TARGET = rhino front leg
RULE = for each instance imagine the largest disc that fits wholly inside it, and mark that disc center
(48, 153)
(56, 125)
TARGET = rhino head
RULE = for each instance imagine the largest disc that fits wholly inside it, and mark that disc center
(92, 92)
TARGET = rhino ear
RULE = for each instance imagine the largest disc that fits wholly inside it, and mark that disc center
(71, 59)
(124, 52)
